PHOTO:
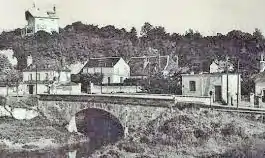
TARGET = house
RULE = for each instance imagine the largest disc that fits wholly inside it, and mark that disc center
(48, 79)
(76, 67)
(40, 20)
(114, 69)
(220, 66)
(202, 84)
(259, 79)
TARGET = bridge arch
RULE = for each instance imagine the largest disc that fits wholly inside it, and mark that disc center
(97, 123)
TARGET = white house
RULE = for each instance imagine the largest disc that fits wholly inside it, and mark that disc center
(48, 79)
(220, 66)
(259, 79)
(114, 69)
(38, 19)
(202, 84)
(76, 67)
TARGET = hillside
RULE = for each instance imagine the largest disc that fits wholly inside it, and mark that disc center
(77, 42)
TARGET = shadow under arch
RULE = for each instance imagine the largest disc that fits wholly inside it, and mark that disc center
(99, 125)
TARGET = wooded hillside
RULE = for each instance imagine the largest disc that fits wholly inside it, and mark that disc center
(77, 42)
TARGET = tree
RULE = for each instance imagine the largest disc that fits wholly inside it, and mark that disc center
(86, 79)
(133, 36)
(146, 28)
(5, 65)
(257, 34)
(163, 85)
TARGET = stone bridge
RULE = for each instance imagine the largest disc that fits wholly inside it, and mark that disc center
(126, 110)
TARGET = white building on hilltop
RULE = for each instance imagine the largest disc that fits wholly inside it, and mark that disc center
(40, 20)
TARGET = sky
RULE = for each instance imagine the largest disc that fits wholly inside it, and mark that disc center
(207, 16)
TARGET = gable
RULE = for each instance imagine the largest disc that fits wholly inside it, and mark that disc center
(121, 62)
(102, 62)
(34, 13)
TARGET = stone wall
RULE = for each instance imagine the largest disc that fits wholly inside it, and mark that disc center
(131, 111)
(61, 112)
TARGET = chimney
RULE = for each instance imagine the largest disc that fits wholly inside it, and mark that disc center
(54, 9)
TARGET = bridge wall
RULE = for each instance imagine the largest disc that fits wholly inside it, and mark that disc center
(131, 111)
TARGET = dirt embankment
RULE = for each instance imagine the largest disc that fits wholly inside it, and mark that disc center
(34, 134)
(192, 133)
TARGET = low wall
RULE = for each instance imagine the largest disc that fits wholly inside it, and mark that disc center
(74, 89)
(193, 99)
(114, 89)
(165, 101)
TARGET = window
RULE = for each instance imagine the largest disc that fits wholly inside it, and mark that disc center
(192, 86)
(38, 76)
(30, 77)
(46, 76)
(108, 80)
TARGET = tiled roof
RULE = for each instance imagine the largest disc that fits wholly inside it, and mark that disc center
(104, 62)
(39, 13)
(46, 67)
(140, 66)
(260, 77)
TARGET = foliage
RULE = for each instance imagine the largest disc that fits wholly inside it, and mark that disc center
(8, 75)
(161, 84)
(77, 42)
(95, 78)
(5, 65)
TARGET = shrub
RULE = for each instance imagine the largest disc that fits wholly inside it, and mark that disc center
(131, 147)
(228, 129)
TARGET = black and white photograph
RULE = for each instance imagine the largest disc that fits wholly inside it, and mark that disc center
(132, 79)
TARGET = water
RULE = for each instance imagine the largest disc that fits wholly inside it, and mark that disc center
(100, 127)
(79, 151)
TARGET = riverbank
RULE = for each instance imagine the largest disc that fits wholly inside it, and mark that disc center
(192, 133)
(34, 135)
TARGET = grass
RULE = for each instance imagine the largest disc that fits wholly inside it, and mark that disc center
(193, 133)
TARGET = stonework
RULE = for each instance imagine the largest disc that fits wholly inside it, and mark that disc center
(129, 115)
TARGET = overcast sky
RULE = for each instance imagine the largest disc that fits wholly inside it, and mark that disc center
(206, 16)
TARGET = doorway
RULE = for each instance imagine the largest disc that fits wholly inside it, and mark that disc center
(218, 93)
(263, 96)
(31, 89)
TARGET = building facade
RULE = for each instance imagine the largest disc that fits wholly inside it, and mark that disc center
(113, 69)
(39, 20)
(202, 84)
(259, 79)
(48, 80)
(220, 66)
